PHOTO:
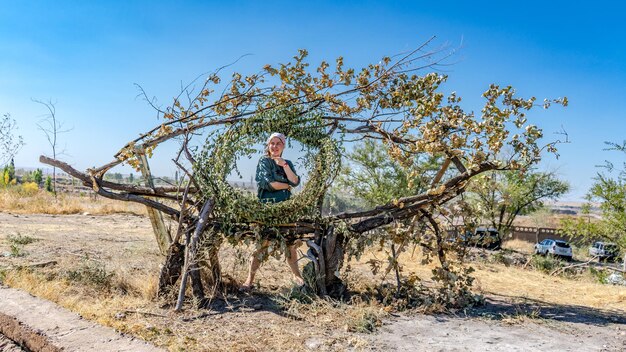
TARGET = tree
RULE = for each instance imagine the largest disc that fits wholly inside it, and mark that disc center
(10, 170)
(51, 127)
(322, 108)
(499, 197)
(8, 174)
(9, 143)
(372, 177)
(609, 191)
(48, 184)
(38, 176)
(131, 178)
(375, 178)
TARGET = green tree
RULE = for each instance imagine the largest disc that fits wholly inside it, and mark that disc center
(27, 177)
(609, 191)
(38, 176)
(8, 174)
(4, 179)
(131, 178)
(11, 169)
(374, 178)
(48, 184)
(499, 197)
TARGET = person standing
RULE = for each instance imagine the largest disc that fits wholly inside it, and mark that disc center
(275, 177)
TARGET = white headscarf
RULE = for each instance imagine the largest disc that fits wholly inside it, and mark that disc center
(279, 135)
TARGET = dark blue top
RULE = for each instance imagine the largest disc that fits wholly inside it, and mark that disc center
(267, 171)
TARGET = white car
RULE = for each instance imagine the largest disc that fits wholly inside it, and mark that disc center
(604, 251)
(554, 247)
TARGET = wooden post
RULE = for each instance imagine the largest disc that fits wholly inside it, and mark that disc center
(163, 237)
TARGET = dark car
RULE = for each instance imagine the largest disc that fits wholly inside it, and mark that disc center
(484, 237)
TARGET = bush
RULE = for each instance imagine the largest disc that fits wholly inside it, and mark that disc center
(546, 263)
(29, 188)
(20, 240)
(91, 273)
(17, 244)
(600, 275)
(364, 323)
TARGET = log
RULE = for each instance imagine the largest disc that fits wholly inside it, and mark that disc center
(191, 250)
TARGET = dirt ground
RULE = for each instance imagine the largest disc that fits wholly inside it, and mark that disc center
(266, 319)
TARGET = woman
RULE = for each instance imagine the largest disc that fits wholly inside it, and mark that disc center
(275, 177)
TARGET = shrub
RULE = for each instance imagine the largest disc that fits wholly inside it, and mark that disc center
(365, 322)
(17, 244)
(546, 263)
(91, 273)
(29, 188)
(20, 240)
(600, 275)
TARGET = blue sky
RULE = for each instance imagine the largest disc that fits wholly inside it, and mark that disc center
(87, 56)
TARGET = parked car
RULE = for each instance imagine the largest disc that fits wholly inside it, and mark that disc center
(484, 237)
(554, 247)
(604, 251)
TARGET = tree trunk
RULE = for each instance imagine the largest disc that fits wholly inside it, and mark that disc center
(190, 266)
(170, 272)
(210, 265)
(332, 246)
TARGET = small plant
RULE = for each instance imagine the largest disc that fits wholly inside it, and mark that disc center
(20, 240)
(521, 316)
(17, 250)
(366, 322)
(499, 257)
(600, 275)
(546, 263)
(91, 273)
(17, 243)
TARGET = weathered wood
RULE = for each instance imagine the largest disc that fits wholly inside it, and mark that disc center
(317, 256)
(191, 250)
(211, 265)
(163, 236)
(333, 248)
(97, 185)
(170, 272)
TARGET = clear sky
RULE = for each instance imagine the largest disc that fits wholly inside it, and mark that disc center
(87, 56)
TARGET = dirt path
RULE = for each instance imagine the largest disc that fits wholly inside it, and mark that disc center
(64, 329)
(500, 325)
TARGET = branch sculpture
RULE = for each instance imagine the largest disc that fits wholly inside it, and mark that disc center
(324, 109)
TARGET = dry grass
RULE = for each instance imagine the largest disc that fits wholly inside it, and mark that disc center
(519, 246)
(14, 199)
(580, 291)
(275, 318)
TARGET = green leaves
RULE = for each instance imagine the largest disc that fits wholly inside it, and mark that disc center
(500, 196)
(220, 153)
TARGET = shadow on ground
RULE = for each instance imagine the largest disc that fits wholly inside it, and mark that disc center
(245, 303)
(502, 307)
